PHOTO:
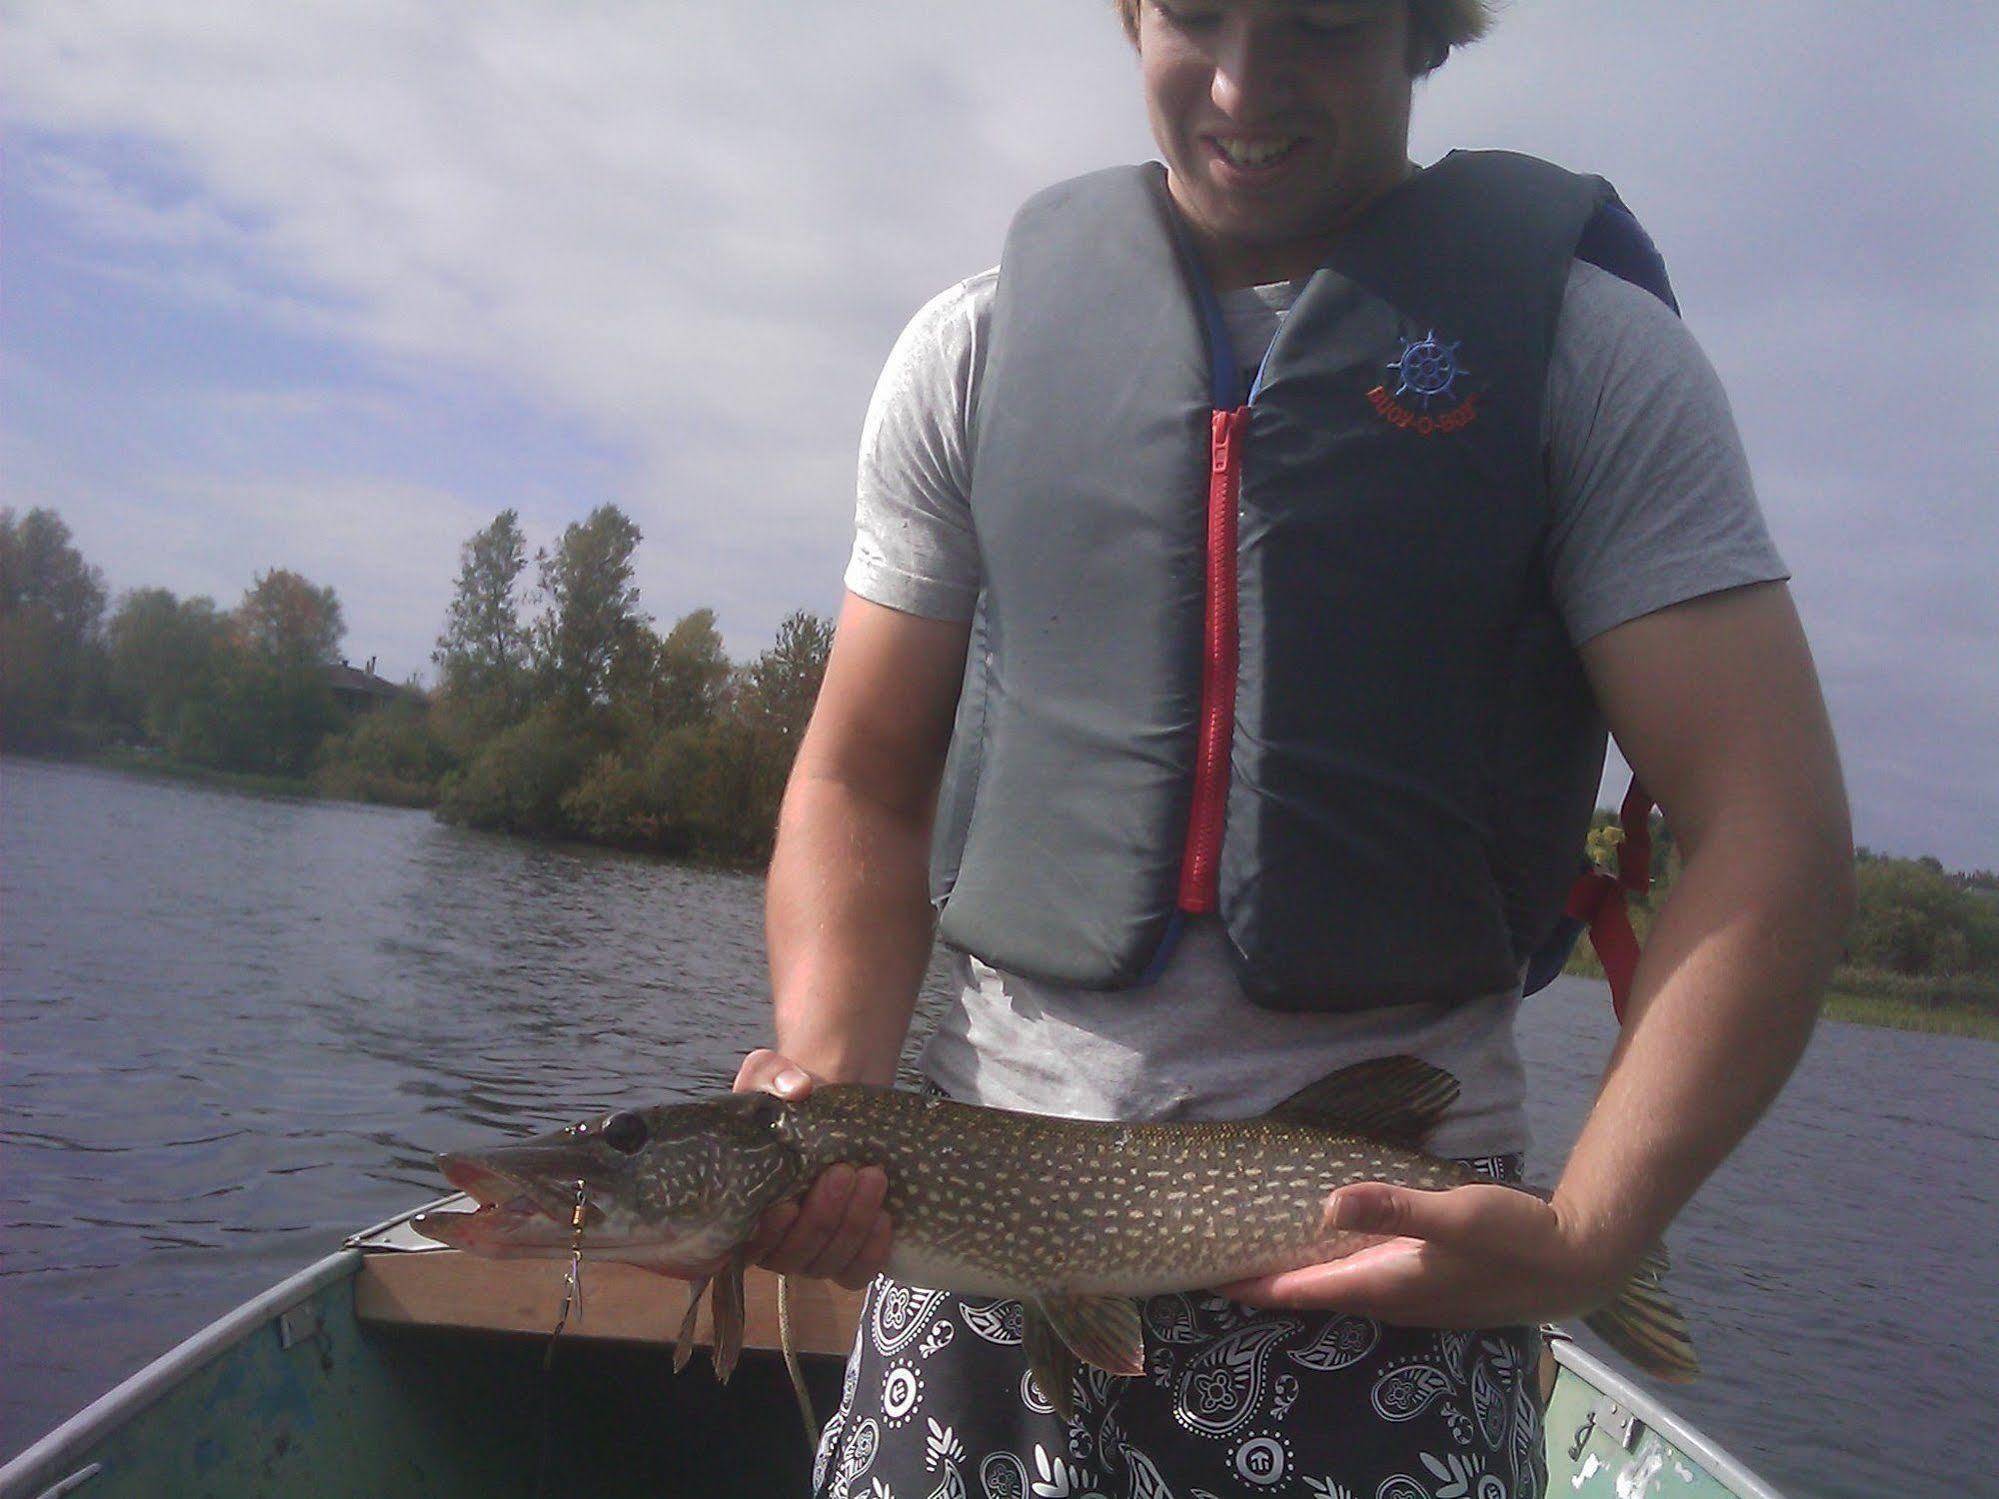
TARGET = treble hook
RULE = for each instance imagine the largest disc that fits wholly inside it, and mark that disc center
(572, 1301)
(572, 1286)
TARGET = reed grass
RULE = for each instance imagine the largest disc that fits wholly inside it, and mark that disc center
(1940, 1020)
(1959, 1005)
(162, 768)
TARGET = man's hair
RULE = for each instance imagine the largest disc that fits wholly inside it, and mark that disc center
(1435, 27)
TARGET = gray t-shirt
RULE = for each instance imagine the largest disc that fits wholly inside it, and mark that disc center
(1653, 505)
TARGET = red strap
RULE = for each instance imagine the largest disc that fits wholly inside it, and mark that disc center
(1599, 899)
(1634, 854)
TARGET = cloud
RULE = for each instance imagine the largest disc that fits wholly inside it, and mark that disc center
(654, 253)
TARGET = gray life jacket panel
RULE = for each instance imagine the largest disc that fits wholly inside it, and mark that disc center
(1408, 750)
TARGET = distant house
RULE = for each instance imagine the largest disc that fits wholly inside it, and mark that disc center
(359, 690)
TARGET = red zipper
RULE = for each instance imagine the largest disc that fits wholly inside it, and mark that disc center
(1200, 863)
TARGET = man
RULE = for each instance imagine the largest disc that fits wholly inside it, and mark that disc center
(1552, 519)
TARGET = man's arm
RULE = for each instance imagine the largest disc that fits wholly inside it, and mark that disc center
(1717, 707)
(847, 910)
(848, 916)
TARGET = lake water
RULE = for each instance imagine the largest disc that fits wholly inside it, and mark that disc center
(233, 1030)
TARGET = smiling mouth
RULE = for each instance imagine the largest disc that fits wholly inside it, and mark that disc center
(1260, 154)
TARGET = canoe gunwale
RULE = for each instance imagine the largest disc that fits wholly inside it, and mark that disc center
(1658, 1417)
(63, 1458)
(371, 1239)
(44, 1463)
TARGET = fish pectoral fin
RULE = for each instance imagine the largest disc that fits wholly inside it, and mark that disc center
(1102, 1331)
(1049, 1360)
(683, 1343)
(726, 1313)
(1396, 1099)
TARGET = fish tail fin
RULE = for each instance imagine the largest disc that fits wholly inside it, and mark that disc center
(1643, 1323)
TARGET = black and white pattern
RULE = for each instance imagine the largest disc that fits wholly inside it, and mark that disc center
(1236, 1401)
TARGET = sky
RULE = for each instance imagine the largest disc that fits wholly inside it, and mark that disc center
(328, 284)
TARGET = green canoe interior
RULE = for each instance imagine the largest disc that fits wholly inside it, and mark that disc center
(378, 1411)
(298, 1396)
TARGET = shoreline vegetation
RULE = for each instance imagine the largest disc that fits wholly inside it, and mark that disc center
(561, 713)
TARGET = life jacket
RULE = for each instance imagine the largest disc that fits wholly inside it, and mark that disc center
(1287, 656)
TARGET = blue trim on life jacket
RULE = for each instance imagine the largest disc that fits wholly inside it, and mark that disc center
(1546, 965)
(1615, 241)
(1225, 384)
(1176, 928)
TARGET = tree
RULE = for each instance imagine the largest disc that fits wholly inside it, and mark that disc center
(287, 619)
(41, 570)
(164, 654)
(1913, 920)
(484, 650)
(50, 602)
(274, 704)
(591, 626)
(392, 755)
(781, 686)
(774, 704)
(690, 673)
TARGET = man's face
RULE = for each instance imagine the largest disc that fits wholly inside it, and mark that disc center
(1280, 121)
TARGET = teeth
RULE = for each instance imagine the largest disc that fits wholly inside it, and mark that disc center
(1247, 153)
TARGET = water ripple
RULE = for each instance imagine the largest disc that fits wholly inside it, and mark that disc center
(236, 1029)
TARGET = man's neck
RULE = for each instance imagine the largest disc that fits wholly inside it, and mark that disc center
(1233, 265)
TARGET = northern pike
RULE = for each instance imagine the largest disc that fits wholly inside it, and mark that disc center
(1076, 1219)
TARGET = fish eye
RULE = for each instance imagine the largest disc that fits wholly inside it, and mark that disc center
(767, 1110)
(624, 1131)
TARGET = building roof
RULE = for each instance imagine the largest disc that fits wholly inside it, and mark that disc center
(364, 682)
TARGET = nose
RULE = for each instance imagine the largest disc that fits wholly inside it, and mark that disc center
(1252, 69)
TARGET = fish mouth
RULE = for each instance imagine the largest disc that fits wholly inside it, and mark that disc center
(509, 1207)
(518, 1217)
(485, 1183)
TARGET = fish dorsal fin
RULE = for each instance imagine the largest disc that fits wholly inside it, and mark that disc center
(1397, 1099)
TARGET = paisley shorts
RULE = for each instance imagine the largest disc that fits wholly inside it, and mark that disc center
(1236, 1400)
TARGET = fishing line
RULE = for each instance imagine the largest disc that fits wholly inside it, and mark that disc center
(790, 1351)
(572, 1301)
(572, 1285)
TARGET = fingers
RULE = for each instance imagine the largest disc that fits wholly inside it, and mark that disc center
(1471, 1256)
(1378, 1208)
(837, 1230)
(1460, 1217)
(773, 1072)
(873, 1256)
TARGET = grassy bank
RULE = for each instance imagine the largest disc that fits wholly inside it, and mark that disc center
(163, 768)
(1958, 1005)
(343, 783)
(1907, 1015)
(1965, 1005)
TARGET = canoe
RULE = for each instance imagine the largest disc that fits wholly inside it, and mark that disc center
(396, 1367)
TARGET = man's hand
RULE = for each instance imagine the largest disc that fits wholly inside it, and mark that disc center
(1474, 1256)
(838, 1229)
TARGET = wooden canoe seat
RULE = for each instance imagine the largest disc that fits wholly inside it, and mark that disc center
(445, 1288)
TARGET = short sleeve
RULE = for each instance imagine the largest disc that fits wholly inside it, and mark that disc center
(914, 546)
(1653, 500)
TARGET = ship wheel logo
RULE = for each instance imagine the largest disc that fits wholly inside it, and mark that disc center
(1429, 369)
